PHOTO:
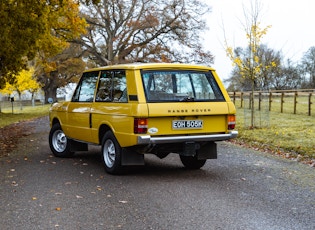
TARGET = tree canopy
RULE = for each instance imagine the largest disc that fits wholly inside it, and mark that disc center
(265, 77)
(308, 66)
(36, 28)
(55, 52)
(23, 81)
(60, 70)
(22, 23)
(61, 37)
(143, 31)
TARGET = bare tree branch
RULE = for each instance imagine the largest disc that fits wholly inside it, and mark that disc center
(132, 30)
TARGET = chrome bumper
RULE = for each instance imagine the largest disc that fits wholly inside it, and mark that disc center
(147, 139)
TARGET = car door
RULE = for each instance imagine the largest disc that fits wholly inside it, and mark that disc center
(111, 107)
(79, 109)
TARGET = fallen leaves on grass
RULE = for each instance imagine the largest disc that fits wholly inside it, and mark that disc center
(10, 135)
(275, 150)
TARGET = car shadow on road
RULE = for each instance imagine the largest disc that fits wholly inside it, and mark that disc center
(154, 167)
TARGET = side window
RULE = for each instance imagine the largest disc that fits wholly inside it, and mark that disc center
(112, 86)
(86, 88)
(104, 87)
(119, 86)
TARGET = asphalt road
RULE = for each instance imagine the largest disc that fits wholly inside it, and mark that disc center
(242, 189)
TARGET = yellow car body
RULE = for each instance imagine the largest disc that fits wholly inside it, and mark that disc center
(140, 121)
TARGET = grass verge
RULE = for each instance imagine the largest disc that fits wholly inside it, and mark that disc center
(27, 113)
(290, 135)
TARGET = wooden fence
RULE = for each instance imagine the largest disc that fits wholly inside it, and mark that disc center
(283, 101)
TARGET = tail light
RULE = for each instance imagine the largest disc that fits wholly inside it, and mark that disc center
(231, 122)
(140, 125)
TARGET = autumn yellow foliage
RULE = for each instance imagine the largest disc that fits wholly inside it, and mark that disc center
(63, 25)
(251, 67)
(24, 82)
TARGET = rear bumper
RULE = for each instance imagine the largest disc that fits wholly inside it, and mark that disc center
(147, 139)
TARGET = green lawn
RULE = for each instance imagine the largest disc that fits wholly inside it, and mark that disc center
(28, 112)
(279, 132)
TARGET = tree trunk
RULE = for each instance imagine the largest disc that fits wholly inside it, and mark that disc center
(20, 100)
(50, 92)
(50, 86)
(252, 106)
(33, 99)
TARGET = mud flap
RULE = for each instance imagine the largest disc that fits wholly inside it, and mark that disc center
(207, 151)
(189, 149)
(129, 158)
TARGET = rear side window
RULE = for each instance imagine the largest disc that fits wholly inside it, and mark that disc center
(112, 86)
(177, 86)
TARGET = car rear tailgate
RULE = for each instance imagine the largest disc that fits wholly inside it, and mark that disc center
(187, 118)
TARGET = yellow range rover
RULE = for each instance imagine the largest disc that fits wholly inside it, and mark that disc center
(136, 109)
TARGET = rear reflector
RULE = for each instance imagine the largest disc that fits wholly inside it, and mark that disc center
(140, 125)
(231, 122)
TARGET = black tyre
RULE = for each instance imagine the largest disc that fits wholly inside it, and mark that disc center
(111, 152)
(192, 162)
(58, 142)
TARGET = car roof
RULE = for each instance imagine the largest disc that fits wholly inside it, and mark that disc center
(136, 66)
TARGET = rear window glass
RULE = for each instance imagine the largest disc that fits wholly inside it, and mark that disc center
(168, 86)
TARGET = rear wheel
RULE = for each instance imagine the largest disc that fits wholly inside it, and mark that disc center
(111, 152)
(58, 142)
(192, 162)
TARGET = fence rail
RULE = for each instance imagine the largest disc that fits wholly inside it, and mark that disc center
(7, 105)
(283, 101)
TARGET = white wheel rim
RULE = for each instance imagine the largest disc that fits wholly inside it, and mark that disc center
(109, 153)
(59, 141)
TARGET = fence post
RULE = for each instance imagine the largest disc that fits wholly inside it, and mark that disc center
(282, 101)
(310, 104)
(295, 101)
(242, 94)
(234, 97)
(270, 100)
(259, 101)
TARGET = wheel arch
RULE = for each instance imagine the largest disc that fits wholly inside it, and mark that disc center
(102, 130)
(54, 121)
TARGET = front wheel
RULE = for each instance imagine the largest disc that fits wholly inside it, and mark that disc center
(192, 162)
(111, 151)
(58, 142)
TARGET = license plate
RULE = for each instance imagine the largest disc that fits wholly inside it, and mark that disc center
(187, 124)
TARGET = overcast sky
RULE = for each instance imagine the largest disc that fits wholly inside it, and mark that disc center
(292, 31)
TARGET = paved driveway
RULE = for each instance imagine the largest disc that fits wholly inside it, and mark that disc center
(242, 189)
